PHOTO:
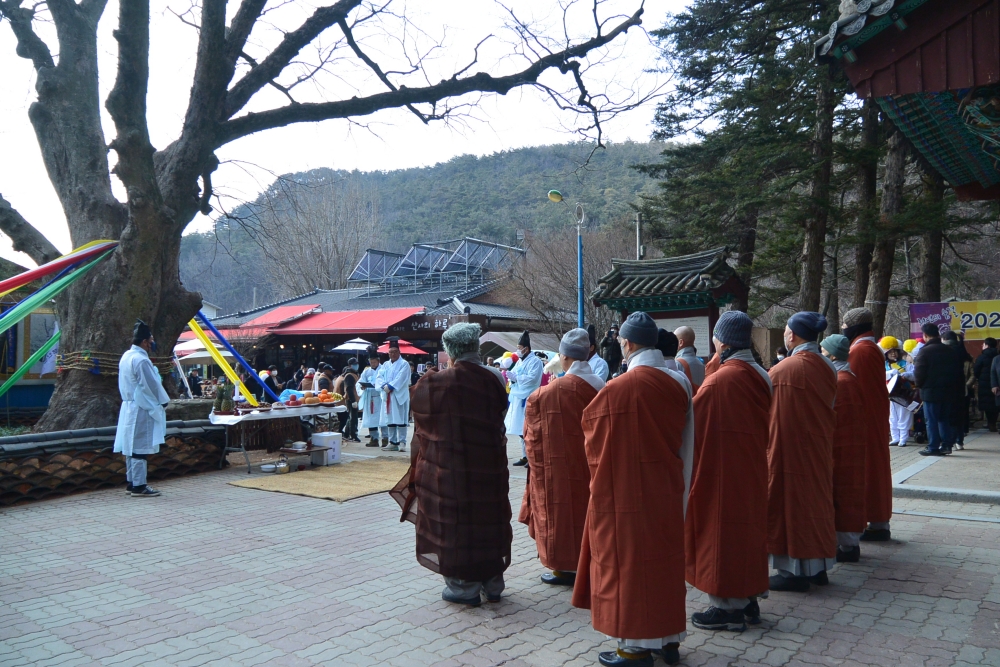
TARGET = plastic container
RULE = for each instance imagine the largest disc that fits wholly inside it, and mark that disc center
(330, 456)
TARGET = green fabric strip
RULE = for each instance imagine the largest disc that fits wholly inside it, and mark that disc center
(32, 360)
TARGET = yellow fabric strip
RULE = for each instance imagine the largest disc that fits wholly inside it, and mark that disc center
(221, 362)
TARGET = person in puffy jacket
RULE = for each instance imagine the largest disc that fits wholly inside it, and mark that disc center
(938, 374)
(981, 370)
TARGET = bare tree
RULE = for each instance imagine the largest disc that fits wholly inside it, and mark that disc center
(336, 48)
(315, 233)
(546, 283)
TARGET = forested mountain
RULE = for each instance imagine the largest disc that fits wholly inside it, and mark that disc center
(308, 229)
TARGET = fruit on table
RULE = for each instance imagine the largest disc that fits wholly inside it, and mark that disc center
(309, 394)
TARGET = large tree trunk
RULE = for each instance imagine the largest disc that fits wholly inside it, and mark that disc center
(868, 173)
(746, 248)
(140, 279)
(929, 288)
(815, 227)
(877, 299)
(831, 305)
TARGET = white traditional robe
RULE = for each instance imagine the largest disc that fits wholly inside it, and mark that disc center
(380, 380)
(142, 420)
(371, 399)
(397, 376)
(600, 367)
(525, 377)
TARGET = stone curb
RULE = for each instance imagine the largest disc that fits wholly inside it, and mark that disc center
(939, 493)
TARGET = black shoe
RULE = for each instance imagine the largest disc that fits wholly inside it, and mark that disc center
(852, 556)
(129, 489)
(372, 442)
(820, 579)
(472, 602)
(671, 653)
(927, 451)
(556, 578)
(876, 535)
(521, 462)
(719, 619)
(492, 598)
(619, 659)
(752, 613)
(778, 582)
(946, 451)
(146, 492)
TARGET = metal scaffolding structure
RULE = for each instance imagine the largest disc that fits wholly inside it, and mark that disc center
(458, 264)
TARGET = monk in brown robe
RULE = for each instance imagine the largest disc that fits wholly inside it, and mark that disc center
(849, 446)
(558, 489)
(868, 364)
(801, 537)
(639, 437)
(726, 522)
(456, 491)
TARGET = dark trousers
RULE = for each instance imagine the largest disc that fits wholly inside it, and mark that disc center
(349, 423)
(940, 429)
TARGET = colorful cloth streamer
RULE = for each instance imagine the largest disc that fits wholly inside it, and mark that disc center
(221, 362)
(236, 355)
(24, 308)
(32, 360)
(81, 254)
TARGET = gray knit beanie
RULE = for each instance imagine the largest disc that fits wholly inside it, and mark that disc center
(733, 329)
(461, 338)
(858, 316)
(640, 329)
(575, 344)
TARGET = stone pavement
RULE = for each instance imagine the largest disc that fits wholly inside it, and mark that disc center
(211, 574)
(972, 473)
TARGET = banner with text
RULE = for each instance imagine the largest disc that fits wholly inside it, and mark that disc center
(978, 319)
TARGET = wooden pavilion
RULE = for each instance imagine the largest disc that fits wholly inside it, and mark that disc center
(933, 67)
(675, 291)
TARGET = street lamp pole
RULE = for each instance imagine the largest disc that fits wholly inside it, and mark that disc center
(581, 217)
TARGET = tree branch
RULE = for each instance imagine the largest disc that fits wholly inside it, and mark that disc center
(240, 28)
(127, 104)
(403, 96)
(26, 238)
(277, 60)
(375, 68)
(29, 45)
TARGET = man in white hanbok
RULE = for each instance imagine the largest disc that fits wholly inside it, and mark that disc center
(525, 377)
(396, 390)
(142, 421)
(371, 401)
(597, 364)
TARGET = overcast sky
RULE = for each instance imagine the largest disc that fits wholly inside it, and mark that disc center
(393, 139)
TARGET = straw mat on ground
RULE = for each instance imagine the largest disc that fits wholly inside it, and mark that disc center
(337, 482)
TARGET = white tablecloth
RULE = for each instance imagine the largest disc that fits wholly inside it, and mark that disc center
(231, 420)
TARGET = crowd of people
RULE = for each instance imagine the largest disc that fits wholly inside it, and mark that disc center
(654, 468)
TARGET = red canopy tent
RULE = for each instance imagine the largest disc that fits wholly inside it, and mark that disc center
(404, 348)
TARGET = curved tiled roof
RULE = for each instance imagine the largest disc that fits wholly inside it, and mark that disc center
(689, 274)
(862, 24)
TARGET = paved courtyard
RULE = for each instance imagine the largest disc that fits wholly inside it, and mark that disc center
(211, 574)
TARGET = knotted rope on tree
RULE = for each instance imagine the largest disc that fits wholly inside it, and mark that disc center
(104, 363)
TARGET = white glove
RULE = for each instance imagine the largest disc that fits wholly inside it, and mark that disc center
(354, 405)
(512, 376)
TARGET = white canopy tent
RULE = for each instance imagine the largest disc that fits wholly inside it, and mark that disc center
(353, 345)
(203, 358)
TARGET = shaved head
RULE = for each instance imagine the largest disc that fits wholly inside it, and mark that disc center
(685, 336)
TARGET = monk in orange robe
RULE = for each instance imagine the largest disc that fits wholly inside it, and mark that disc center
(868, 364)
(849, 446)
(712, 365)
(639, 437)
(687, 356)
(801, 537)
(558, 489)
(726, 522)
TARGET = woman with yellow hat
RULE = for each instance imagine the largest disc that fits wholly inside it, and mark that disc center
(900, 418)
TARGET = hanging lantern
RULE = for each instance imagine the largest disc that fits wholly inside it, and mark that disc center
(555, 195)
